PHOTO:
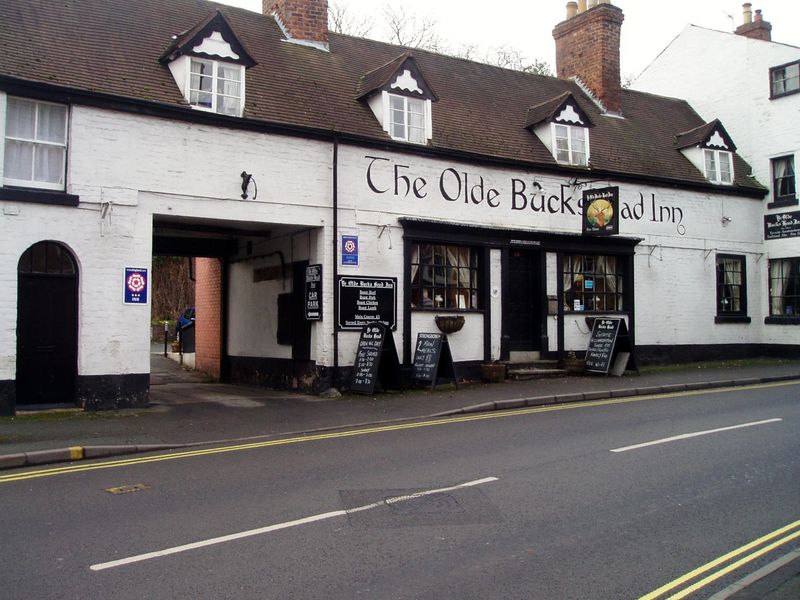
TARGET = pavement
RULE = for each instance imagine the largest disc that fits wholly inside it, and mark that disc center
(189, 410)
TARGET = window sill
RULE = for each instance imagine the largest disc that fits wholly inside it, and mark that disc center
(782, 203)
(732, 319)
(784, 94)
(782, 320)
(432, 309)
(39, 196)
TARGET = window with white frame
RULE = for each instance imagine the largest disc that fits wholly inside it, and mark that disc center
(718, 166)
(571, 144)
(35, 144)
(407, 119)
(785, 79)
(216, 86)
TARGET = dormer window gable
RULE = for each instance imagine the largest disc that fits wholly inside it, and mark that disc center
(401, 99)
(208, 64)
(710, 149)
(563, 126)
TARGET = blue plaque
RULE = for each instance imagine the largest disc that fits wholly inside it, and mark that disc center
(350, 250)
(136, 283)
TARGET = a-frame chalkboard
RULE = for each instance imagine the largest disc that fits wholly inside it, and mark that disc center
(610, 347)
(376, 361)
(433, 359)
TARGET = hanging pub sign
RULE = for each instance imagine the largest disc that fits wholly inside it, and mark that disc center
(367, 300)
(782, 225)
(601, 211)
(313, 293)
(135, 286)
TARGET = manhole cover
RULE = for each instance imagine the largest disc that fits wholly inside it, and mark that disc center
(127, 489)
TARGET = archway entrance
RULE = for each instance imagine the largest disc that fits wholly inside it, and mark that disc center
(47, 325)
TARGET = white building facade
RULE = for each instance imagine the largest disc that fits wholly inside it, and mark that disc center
(401, 224)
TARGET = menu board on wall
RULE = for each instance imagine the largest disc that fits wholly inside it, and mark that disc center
(782, 225)
(366, 301)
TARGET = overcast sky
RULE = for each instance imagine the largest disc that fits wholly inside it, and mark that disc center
(527, 25)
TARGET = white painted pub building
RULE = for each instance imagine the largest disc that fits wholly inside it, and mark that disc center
(330, 182)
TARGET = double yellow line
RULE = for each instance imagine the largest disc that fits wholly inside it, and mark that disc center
(726, 564)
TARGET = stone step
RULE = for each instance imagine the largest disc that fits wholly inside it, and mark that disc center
(537, 373)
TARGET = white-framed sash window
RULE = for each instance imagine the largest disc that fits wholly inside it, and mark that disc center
(407, 119)
(718, 166)
(571, 144)
(216, 86)
(35, 149)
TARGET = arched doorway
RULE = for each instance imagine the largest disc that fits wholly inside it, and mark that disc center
(47, 325)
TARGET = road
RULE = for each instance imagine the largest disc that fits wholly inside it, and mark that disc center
(556, 502)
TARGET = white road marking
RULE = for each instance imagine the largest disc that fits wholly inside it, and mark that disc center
(278, 526)
(691, 435)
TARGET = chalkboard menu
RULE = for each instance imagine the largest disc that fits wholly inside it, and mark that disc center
(376, 361)
(367, 300)
(313, 292)
(432, 358)
(602, 344)
(782, 225)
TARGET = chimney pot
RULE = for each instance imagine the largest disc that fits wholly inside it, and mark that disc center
(747, 9)
(572, 9)
(581, 6)
(758, 14)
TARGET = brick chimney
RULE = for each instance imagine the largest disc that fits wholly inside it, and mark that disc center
(301, 20)
(757, 28)
(587, 48)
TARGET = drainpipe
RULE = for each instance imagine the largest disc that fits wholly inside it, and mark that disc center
(335, 255)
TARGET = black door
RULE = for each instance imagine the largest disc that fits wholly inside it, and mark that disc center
(301, 329)
(47, 325)
(523, 301)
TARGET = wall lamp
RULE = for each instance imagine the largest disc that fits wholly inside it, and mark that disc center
(247, 178)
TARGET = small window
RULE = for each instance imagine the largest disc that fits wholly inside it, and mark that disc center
(35, 144)
(731, 286)
(783, 183)
(445, 277)
(216, 87)
(407, 119)
(785, 79)
(592, 283)
(719, 166)
(571, 145)
(784, 287)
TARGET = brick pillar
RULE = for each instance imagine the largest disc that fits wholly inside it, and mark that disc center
(587, 47)
(305, 20)
(208, 320)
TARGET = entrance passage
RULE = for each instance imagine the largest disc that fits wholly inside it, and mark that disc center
(47, 325)
(523, 316)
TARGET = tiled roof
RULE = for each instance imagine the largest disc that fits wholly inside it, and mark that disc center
(700, 135)
(377, 78)
(113, 47)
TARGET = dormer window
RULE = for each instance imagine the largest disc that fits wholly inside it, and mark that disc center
(208, 63)
(710, 149)
(407, 119)
(563, 127)
(571, 144)
(400, 99)
(216, 86)
(719, 166)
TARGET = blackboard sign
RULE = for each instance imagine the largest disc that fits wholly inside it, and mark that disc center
(313, 293)
(376, 361)
(600, 353)
(782, 225)
(367, 300)
(432, 359)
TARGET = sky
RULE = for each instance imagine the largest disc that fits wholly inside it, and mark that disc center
(527, 25)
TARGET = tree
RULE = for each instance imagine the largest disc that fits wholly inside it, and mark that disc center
(413, 31)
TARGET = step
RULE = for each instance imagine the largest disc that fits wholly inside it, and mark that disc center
(527, 373)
